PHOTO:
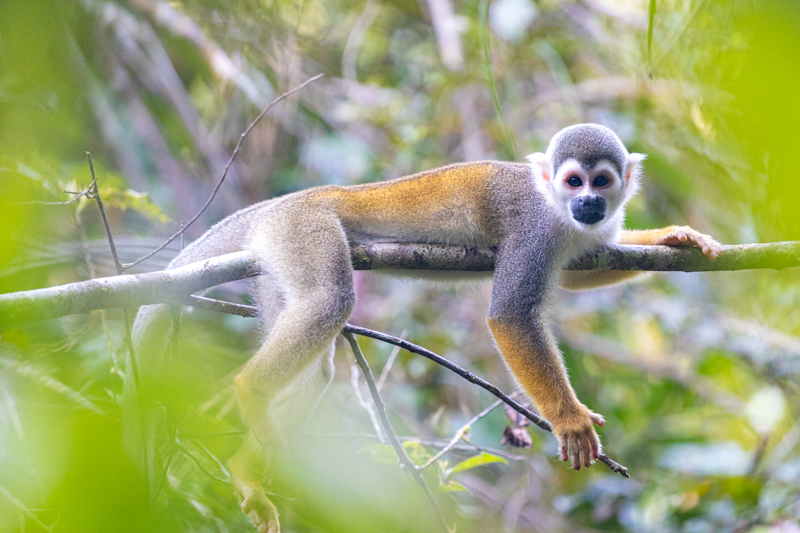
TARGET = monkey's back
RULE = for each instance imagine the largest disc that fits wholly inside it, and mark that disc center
(448, 205)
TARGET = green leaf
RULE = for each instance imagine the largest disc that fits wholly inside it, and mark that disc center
(133, 200)
(453, 486)
(380, 453)
(51, 383)
(651, 20)
(416, 452)
(476, 460)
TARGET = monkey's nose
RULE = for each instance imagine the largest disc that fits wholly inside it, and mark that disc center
(588, 209)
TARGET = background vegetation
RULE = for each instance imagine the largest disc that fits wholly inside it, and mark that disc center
(696, 374)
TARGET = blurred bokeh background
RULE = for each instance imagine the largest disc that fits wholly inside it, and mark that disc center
(696, 374)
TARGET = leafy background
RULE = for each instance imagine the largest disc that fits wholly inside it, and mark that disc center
(696, 374)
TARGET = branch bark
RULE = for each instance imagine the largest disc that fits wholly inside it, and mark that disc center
(174, 286)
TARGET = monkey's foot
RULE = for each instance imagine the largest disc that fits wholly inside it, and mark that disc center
(576, 436)
(686, 236)
(260, 509)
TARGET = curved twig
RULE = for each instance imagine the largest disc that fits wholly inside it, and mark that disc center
(250, 311)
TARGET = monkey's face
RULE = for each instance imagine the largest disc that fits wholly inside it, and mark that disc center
(588, 194)
(587, 175)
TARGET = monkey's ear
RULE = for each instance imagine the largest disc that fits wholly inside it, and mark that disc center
(540, 164)
(634, 167)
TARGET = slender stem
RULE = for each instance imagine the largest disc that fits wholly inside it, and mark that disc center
(389, 363)
(235, 153)
(405, 460)
(95, 193)
(137, 383)
(354, 373)
(651, 15)
(472, 378)
(483, 28)
(433, 443)
(460, 434)
(251, 311)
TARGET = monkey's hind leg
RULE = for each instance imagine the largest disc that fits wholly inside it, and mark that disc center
(254, 465)
(309, 262)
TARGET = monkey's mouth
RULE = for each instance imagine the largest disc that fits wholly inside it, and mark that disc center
(588, 209)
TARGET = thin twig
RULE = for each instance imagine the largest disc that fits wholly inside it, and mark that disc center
(483, 35)
(95, 193)
(75, 198)
(405, 460)
(251, 311)
(354, 373)
(460, 434)
(469, 376)
(87, 257)
(224, 173)
(389, 363)
(433, 443)
(472, 378)
(196, 461)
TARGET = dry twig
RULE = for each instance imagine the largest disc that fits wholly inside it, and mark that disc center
(405, 460)
(235, 153)
(460, 434)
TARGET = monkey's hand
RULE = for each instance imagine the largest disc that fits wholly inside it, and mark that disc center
(576, 436)
(686, 236)
(261, 511)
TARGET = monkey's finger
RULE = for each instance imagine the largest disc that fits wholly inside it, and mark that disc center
(594, 444)
(711, 249)
(564, 450)
(586, 449)
(597, 419)
(575, 448)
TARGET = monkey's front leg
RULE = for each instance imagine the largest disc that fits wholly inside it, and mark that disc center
(532, 355)
(525, 271)
(674, 236)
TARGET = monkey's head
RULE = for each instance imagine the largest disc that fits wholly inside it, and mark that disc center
(587, 174)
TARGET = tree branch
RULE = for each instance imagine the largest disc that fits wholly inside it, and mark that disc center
(168, 286)
(402, 456)
(174, 286)
(349, 329)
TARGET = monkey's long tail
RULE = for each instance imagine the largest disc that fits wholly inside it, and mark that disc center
(146, 377)
(153, 323)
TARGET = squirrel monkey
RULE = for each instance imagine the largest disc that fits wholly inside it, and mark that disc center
(565, 202)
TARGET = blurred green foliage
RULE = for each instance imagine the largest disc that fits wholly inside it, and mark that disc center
(696, 374)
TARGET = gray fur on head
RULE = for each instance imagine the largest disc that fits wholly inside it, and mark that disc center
(588, 144)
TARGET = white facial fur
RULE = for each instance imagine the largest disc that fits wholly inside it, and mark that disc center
(554, 186)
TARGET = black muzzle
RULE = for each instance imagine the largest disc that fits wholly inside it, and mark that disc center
(588, 209)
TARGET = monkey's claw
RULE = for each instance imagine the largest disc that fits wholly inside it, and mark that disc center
(686, 236)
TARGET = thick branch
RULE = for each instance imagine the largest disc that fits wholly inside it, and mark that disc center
(173, 286)
(389, 256)
(168, 286)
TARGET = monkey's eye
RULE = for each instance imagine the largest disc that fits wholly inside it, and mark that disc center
(600, 181)
(574, 181)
